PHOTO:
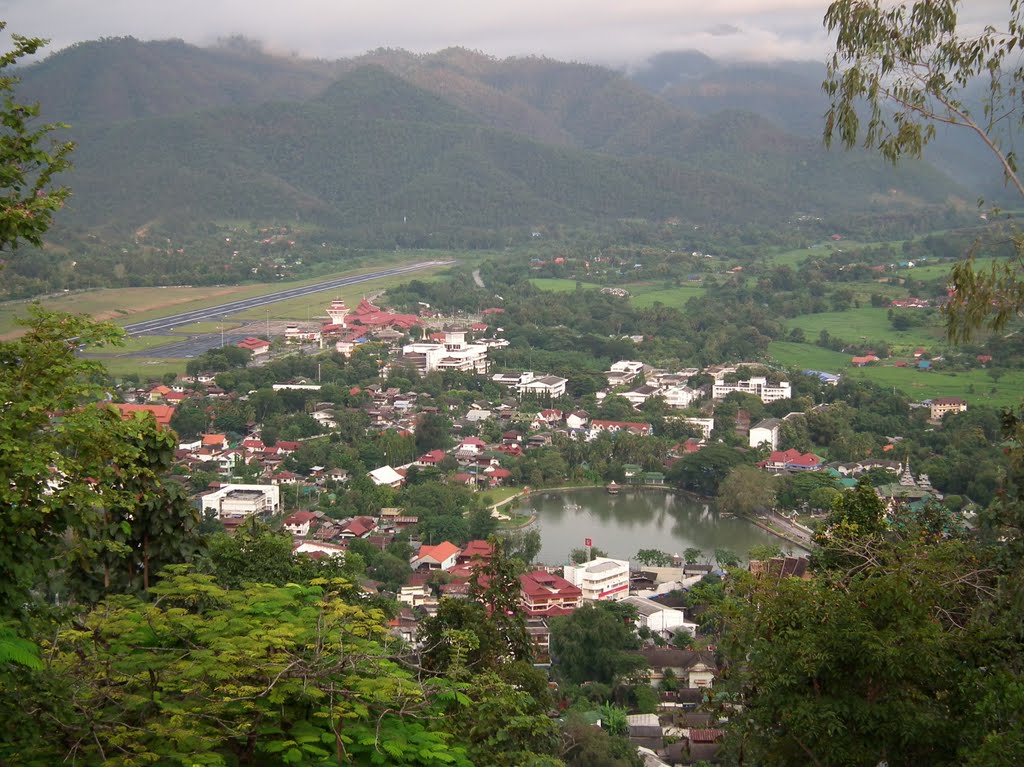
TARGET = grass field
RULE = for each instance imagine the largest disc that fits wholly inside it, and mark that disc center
(675, 298)
(145, 368)
(940, 269)
(560, 285)
(866, 324)
(821, 250)
(643, 294)
(976, 386)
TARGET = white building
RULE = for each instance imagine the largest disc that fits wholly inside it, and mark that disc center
(453, 354)
(756, 385)
(706, 425)
(681, 396)
(240, 501)
(766, 433)
(623, 372)
(386, 475)
(527, 383)
(601, 580)
(660, 619)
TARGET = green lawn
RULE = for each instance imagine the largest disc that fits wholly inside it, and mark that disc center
(132, 345)
(560, 285)
(866, 324)
(643, 295)
(939, 269)
(145, 368)
(819, 250)
(976, 386)
(674, 298)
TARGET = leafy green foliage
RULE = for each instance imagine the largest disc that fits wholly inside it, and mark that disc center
(595, 644)
(225, 676)
(29, 166)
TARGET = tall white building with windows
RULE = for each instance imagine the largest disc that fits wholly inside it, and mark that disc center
(601, 580)
(756, 385)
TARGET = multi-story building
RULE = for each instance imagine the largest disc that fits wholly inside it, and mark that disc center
(942, 405)
(756, 385)
(601, 580)
(542, 593)
(454, 353)
(240, 501)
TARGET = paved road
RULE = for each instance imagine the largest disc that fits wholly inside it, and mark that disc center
(215, 313)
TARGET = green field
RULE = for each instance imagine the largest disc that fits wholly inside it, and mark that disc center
(145, 368)
(975, 386)
(819, 250)
(940, 269)
(560, 285)
(643, 295)
(675, 298)
(867, 324)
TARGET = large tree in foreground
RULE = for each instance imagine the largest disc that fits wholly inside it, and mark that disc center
(910, 66)
(30, 157)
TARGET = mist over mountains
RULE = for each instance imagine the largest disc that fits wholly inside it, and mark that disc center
(455, 141)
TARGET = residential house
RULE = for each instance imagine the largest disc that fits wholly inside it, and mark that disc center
(692, 668)
(318, 549)
(527, 383)
(162, 413)
(613, 427)
(680, 397)
(792, 460)
(543, 594)
(300, 523)
(942, 405)
(623, 372)
(766, 433)
(443, 556)
(660, 619)
(387, 476)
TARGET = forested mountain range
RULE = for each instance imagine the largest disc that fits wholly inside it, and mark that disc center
(452, 141)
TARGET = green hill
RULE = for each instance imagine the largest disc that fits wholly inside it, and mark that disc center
(446, 142)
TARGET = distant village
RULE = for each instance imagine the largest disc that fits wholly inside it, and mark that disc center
(533, 412)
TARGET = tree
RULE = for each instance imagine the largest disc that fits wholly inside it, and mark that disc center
(913, 66)
(53, 440)
(692, 555)
(746, 490)
(859, 666)
(595, 643)
(294, 674)
(30, 158)
(703, 471)
(653, 558)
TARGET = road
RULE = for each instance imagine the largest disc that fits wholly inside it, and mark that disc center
(217, 313)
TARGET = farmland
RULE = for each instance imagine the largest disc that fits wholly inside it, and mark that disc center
(977, 386)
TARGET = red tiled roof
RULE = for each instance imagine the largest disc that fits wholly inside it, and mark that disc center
(162, 413)
(440, 552)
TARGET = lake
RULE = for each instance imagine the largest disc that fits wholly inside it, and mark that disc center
(637, 519)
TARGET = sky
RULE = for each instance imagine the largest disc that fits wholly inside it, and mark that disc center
(610, 32)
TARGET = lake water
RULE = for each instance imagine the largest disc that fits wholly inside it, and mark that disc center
(637, 519)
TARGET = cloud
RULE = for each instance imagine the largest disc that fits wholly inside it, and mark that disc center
(600, 31)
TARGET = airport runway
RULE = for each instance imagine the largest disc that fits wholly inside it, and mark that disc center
(193, 345)
(216, 313)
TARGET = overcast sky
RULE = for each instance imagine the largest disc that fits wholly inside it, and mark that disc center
(614, 32)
